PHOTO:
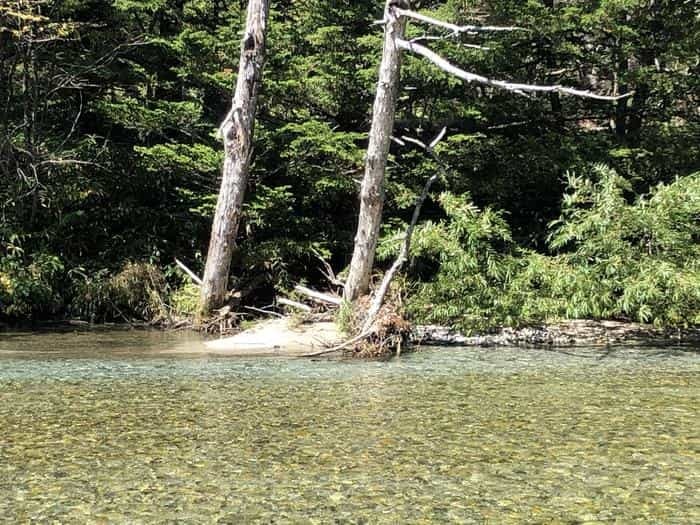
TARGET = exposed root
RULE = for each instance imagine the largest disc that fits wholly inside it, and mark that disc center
(388, 334)
(223, 321)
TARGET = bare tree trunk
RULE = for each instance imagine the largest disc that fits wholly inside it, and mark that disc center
(237, 133)
(372, 193)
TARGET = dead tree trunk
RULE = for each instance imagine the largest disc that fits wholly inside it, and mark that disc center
(237, 133)
(372, 192)
(372, 195)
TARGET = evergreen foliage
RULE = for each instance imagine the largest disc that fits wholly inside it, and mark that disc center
(109, 156)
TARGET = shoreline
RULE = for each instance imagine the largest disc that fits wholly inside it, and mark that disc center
(574, 333)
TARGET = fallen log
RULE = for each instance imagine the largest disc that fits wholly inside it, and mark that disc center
(319, 297)
(294, 304)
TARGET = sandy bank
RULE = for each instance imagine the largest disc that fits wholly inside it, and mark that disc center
(282, 337)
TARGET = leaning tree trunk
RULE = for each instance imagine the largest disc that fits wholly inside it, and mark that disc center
(237, 134)
(372, 193)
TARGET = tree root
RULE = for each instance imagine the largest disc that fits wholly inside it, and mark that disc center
(386, 336)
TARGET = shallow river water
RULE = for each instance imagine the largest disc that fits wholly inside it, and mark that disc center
(138, 427)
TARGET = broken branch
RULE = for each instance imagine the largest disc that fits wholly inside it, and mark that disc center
(454, 28)
(341, 346)
(378, 299)
(189, 272)
(293, 304)
(262, 311)
(448, 67)
(317, 296)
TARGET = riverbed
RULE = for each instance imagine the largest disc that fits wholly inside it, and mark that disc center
(146, 427)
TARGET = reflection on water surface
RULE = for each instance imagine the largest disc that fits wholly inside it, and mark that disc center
(138, 427)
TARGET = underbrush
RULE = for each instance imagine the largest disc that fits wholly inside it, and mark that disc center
(138, 292)
(38, 287)
(30, 286)
(611, 257)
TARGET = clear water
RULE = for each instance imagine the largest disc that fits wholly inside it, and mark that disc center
(144, 428)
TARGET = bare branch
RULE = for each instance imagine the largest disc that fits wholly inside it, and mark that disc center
(341, 346)
(74, 162)
(475, 46)
(195, 278)
(428, 38)
(437, 138)
(295, 304)
(500, 84)
(405, 250)
(261, 311)
(327, 269)
(454, 28)
(414, 141)
(319, 297)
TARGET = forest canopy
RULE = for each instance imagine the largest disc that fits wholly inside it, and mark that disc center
(551, 206)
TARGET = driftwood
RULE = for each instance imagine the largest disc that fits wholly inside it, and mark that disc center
(293, 304)
(262, 311)
(341, 346)
(318, 297)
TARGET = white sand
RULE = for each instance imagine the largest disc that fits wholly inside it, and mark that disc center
(279, 337)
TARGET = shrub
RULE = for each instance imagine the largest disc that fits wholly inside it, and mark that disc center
(612, 257)
(477, 259)
(185, 300)
(636, 260)
(29, 288)
(137, 292)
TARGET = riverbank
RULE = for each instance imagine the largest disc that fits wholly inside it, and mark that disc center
(291, 337)
(296, 338)
(579, 332)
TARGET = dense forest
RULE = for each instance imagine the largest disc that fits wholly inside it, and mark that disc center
(548, 206)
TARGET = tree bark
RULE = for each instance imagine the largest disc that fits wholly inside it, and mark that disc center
(237, 134)
(372, 192)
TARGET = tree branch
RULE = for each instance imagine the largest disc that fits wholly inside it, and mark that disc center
(433, 38)
(294, 304)
(379, 296)
(195, 278)
(319, 297)
(454, 28)
(341, 346)
(448, 67)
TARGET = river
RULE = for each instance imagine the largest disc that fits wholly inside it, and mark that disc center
(142, 427)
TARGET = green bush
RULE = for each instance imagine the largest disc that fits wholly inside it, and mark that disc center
(185, 300)
(612, 258)
(137, 292)
(636, 260)
(29, 286)
(477, 259)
